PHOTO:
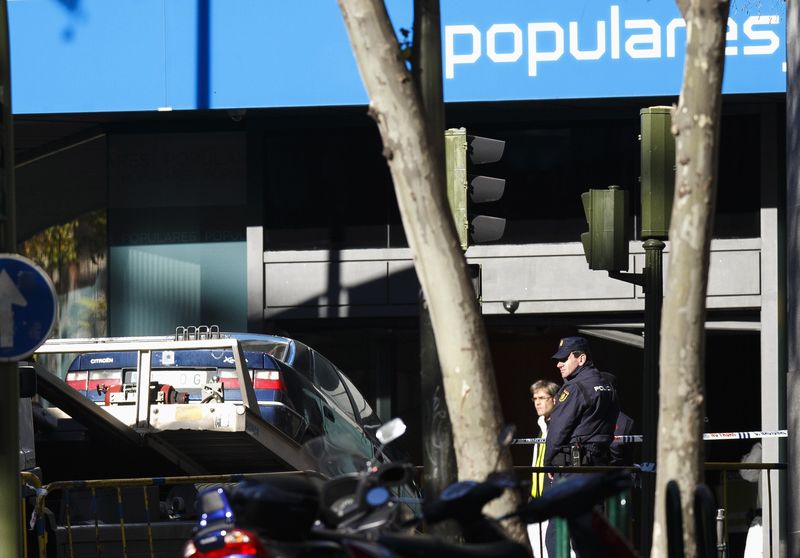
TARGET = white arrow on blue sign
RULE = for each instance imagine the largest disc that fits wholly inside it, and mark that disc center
(27, 307)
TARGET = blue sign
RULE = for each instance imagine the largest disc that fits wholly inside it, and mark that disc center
(519, 49)
(148, 55)
(27, 307)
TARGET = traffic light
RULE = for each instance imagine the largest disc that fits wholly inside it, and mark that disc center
(606, 243)
(463, 188)
(658, 171)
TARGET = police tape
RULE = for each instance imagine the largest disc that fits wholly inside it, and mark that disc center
(637, 438)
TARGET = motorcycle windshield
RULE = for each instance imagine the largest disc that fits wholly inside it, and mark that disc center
(332, 460)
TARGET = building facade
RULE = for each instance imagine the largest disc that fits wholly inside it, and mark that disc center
(212, 162)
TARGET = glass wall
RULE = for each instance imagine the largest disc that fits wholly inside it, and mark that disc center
(177, 219)
(75, 256)
(156, 288)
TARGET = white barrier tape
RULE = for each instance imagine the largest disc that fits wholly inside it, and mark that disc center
(637, 438)
(746, 435)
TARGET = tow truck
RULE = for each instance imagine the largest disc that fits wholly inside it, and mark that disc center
(200, 436)
(207, 424)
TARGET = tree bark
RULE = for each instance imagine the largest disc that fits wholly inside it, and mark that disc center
(438, 455)
(793, 270)
(419, 182)
(696, 125)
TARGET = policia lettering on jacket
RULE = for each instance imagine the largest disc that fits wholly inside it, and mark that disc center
(582, 424)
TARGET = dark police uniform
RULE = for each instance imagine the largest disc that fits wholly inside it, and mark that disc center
(585, 414)
(581, 424)
(622, 453)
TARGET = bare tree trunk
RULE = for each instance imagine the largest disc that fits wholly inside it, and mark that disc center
(419, 182)
(438, 454)
(793, 271)
(696, 125)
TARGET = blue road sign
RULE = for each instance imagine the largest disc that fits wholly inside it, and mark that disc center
(27, 307)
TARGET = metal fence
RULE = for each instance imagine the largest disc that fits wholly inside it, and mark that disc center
(619, 514)
(124, 517)
(115, 517)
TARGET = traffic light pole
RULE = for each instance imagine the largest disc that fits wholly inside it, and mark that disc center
(653, 296)
(606, 247)
(10, 523)
(438, 453)
(10, 530)
(652, 281)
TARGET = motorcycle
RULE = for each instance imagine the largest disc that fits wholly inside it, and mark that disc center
(463, 502)
(366, 509)
(296, 515)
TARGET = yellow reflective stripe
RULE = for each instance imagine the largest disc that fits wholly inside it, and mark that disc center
(537, 479)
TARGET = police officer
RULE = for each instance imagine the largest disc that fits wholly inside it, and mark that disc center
(581, 429)
(583, 421)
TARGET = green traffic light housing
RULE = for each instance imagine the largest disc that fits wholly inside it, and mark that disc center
(606, 242)
(461, 151)
(657, 172)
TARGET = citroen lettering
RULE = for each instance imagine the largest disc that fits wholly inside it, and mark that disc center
(104, 360)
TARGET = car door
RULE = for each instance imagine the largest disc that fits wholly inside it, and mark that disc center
(338, 417)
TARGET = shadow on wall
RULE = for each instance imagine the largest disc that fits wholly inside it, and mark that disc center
(396, 292)
(74, 7)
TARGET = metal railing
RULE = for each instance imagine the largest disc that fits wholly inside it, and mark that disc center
(120, 488)
(144, 347)
(32, 482)
(722, 519)
(617, 509)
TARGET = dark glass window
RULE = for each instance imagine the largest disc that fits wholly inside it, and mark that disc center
(548, 166)
(365, 412)
(328, 189)
(739, 184)
(331, 188)
(329, 382)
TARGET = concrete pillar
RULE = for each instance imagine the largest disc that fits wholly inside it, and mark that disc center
(773, 341)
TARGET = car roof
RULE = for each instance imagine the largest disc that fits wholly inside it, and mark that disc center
(256, 356)
(204, 358)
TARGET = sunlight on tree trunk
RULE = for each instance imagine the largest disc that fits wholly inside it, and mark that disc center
(419, 182)
(793, 268)
(696, 125)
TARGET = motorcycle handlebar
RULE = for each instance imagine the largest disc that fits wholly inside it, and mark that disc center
(464, 506)
(574, 496)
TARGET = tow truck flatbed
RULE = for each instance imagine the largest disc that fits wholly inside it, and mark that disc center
(200, 438)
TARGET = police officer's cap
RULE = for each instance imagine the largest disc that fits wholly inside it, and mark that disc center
(570, 345)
